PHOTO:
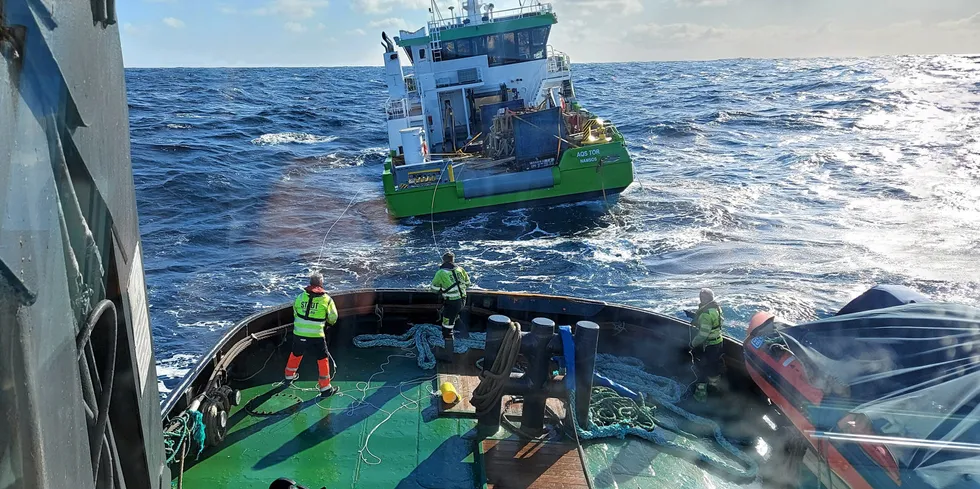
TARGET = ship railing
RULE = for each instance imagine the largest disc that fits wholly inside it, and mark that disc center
(402, 108)
(558, 62)
(492, 16)
(463, 76)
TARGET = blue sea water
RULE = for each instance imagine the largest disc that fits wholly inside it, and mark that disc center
(787, 185)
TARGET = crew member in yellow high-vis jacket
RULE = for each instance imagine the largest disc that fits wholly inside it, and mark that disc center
(313, 310)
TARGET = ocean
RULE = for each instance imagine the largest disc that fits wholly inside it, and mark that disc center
(785, 185)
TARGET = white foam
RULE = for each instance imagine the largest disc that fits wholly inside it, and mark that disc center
(274, 139)
(210, 325)
(178, 126)
(175, 367)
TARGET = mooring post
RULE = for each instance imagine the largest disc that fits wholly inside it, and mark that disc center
(586, 345)
(497, 326)
(542, 332)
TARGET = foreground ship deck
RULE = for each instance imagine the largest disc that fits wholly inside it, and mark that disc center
(388, 428)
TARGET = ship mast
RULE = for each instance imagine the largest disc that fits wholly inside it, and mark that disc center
(472, 8)
(434, 10)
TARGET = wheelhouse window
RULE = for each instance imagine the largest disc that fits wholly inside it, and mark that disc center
(501, 49)
(495, 49)
(539, 42)
(464, 48)
(524, 45)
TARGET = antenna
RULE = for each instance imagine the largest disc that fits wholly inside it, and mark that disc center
(434, 9)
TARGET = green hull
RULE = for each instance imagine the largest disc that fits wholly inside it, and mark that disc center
(584, 172)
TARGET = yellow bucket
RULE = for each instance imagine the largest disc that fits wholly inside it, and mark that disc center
(448, 392)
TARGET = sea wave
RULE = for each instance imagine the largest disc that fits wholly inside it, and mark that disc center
(788, 185)
(278, 138)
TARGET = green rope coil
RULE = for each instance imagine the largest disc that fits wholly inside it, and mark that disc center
(611, 409)
(191, 426)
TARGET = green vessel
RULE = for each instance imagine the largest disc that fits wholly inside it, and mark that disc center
(488, 117)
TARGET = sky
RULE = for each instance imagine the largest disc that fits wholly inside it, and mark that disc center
(167, 33)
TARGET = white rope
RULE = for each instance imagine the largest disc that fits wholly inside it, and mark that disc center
(364, 387)
(432, 207)
(323, 243)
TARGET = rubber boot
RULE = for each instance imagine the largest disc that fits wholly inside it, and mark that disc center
(445, 354)
(292, 369)
(323, 383)
(715, 385)
(701, 392)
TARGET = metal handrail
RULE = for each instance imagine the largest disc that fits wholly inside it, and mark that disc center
(396, 109)
(558, 62)
(492, 16)
(402, 108)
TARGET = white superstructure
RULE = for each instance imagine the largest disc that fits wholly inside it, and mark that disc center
(474, 57)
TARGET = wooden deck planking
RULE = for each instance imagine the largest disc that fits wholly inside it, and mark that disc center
(533, 464)
(463, 374)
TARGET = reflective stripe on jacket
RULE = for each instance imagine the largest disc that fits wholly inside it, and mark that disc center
(451, 282)
(311, 313)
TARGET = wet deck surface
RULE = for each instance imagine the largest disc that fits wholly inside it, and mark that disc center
(384, 430)
(385, 433)
(533, 464)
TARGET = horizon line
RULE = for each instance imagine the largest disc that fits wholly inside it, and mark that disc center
(693, 60)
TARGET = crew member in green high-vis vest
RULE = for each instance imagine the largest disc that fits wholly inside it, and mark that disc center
(312, 311)
(451, 281)
(707, 346)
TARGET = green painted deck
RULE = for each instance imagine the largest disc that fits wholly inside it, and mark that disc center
(380, 431)
(384, 430)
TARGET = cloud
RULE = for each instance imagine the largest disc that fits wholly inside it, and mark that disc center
(174, 22)
(591, 7)
(294, 27)
(227, 9)
(356, 32)
(129, 28)
(294, 9)
(389, 23)
(701, 3)
(971, 22)
(385, 6)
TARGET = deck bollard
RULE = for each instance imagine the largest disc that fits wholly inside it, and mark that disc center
(538, 354)
(497, 326)
(586, 345)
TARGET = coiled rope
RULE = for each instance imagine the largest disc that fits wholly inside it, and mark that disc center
(665, 393)
(492, 381)
(189, 429)
(422, 337)
(610, 409)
